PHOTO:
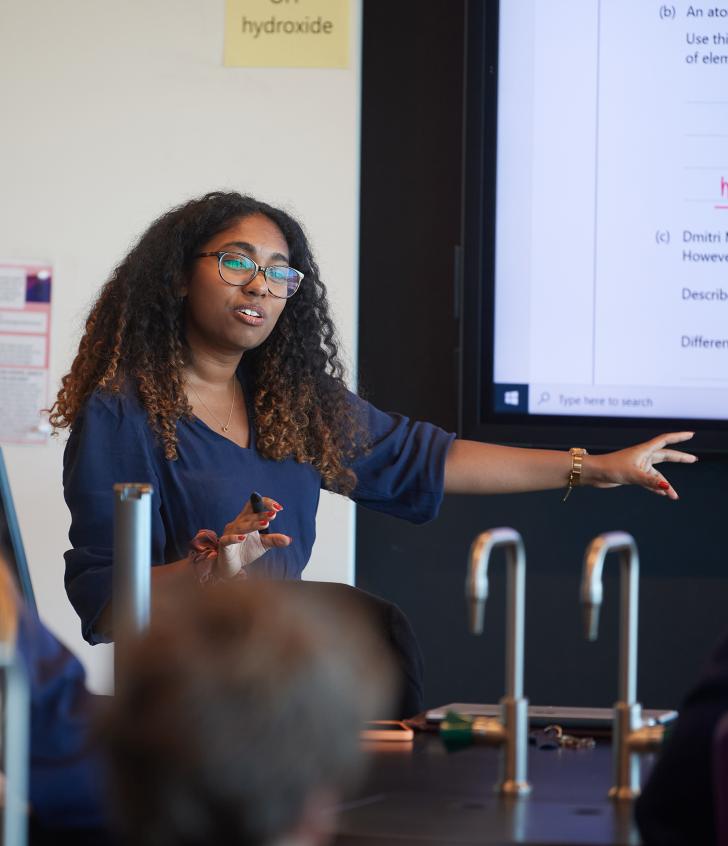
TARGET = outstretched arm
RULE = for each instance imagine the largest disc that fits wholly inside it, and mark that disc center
(477, 468)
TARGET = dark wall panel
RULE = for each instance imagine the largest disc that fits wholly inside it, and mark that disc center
(410, 184)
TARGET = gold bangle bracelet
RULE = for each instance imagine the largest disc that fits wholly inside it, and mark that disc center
(577, 459)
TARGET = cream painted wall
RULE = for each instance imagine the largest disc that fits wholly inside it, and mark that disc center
(112, 113)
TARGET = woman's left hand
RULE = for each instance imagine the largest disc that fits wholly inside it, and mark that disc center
(636, 465)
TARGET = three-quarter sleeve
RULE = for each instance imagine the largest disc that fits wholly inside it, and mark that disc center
(109, 443)
(403, 470)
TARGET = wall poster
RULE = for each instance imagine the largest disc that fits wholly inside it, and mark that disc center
(25, 325)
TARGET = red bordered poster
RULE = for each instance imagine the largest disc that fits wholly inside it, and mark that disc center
(25, 327)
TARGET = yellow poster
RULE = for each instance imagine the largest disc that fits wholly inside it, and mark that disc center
(287, 33)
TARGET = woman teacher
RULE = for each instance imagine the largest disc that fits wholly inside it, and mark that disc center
(209, 368)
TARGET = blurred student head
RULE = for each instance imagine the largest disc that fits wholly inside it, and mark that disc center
(238, 718)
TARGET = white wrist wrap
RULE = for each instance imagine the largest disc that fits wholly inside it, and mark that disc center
(234, 557)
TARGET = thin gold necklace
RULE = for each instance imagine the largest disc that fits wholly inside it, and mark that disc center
(225, 427)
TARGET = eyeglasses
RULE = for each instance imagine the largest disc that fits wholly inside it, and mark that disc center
(240, 270)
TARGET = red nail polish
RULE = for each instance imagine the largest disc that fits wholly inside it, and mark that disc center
(665, 486)
(241, 537)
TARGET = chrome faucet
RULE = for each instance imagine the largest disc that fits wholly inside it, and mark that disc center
(132, 577)
(510, 731)
(630, 735)
(14, 724)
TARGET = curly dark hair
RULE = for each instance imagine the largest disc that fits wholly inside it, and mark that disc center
(134, 336)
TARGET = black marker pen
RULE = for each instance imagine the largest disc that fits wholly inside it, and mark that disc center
(259, 507)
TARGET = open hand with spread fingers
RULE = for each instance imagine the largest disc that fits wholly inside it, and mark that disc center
(635, 465)
(218, 559)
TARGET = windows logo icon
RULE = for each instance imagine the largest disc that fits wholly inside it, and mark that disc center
(512, 399)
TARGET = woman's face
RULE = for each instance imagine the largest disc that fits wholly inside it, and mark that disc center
(222, 318)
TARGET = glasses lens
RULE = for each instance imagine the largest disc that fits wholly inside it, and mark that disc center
(236, 268)
(282, 281)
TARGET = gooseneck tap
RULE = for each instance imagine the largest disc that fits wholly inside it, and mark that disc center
(14, 724)
(510, 731)
(132, 579)
(630, 736)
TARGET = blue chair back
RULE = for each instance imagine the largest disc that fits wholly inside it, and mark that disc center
(12, 540)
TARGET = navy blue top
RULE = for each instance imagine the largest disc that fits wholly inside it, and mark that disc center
(210, 481)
